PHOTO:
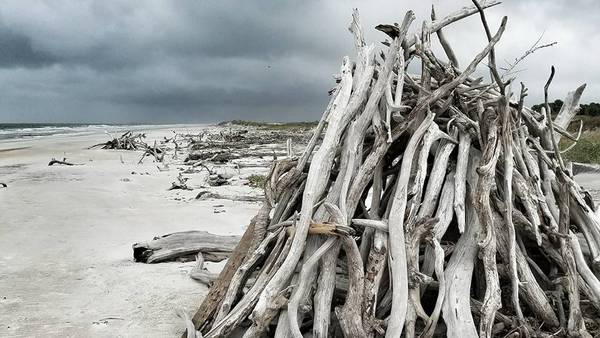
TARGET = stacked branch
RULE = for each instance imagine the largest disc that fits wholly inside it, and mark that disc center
(156, 151)
(127, 141)
(435, 205)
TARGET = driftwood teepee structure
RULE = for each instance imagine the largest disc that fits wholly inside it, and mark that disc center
(435, 205)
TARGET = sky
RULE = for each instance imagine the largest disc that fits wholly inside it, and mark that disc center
(185, 61)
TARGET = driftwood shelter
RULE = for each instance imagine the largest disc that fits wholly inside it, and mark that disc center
(435, 204)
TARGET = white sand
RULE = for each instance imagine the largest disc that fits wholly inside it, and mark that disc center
(591, 182)
(66, 267)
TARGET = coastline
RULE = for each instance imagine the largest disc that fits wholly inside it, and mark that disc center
(67, 231)
(66, 234)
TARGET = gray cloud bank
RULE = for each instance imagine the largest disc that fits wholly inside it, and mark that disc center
(206, 60)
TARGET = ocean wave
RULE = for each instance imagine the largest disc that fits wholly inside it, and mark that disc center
(18, 131)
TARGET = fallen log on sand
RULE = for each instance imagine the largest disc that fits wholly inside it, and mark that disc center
(63, 162)
(443, 202)
(185, 246)
(205, 195)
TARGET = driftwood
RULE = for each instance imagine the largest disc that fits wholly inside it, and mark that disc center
(184, 246)
(127, 141)
(61, 162)
(436, 205)
(205, 195)
(200, 274)
(157, 152)
(180, 184)
(216, 156)
(203, 318)
(131, 141)
(216, 180)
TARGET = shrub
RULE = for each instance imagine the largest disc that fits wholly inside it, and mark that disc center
(256, 181)
(587, 149)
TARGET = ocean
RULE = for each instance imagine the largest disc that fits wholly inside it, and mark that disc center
(30, 130)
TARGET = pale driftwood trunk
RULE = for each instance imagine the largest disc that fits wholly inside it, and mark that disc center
(317, 177)
(397, 263)
(241, 274)
(187, 244)
(462, 164)
(350, 314)
(568, 110)
(444, 216)
(211, 302)
(487, 244)
(530, 289)
(456, 309)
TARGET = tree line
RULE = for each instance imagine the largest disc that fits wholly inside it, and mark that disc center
(591, 109)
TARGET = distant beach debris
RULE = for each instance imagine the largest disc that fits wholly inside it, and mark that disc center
(180, 184)
(131, 141)
(54, 161)
(238, 140)
(127, 141)
(271, 125)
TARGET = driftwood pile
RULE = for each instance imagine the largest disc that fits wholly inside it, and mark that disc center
(224, 146)
(127, 141)
(131, 141)
(156, 151)
(435, 205)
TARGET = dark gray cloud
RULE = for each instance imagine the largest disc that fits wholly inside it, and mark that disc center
(16, 50)
(208, 60)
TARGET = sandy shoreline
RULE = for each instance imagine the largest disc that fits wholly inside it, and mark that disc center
(66, 267)
(66, 236)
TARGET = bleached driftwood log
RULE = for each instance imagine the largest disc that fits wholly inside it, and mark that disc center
(185, 245)
(61, 162)
(435, 205)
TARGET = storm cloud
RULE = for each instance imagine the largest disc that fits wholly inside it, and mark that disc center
(206, 60)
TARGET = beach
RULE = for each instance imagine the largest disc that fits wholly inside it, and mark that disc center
(66, 234)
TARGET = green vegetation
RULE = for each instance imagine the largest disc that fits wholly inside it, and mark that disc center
(589, 123)
(271, 125)
(590, 109)
(256, 181)
(587, 149)
(588, 113)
